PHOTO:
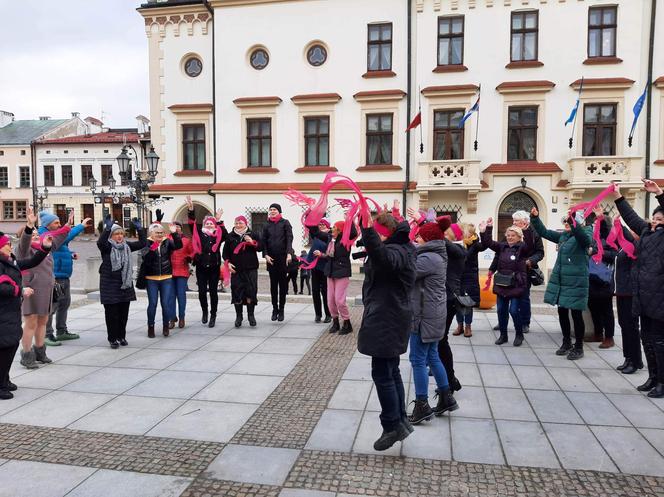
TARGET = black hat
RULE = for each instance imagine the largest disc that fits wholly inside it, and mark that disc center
(276, 206)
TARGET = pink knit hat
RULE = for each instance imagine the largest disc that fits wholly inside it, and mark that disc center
(241, 218)
(458, 232)
(325, 223)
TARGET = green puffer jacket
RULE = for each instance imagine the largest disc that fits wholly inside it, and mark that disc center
(568, 284)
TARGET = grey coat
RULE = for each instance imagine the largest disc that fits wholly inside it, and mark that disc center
(428, 297)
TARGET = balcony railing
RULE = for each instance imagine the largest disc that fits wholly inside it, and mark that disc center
(449, 174)
(589, 171)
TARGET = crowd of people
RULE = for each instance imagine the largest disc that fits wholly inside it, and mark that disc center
(420, 275)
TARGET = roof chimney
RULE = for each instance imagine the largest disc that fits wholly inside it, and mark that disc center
(6, 118)
(44, 118)
(75, 114)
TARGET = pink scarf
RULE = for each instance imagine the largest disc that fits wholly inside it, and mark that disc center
(306, 265)
(243, 245)
(196, 245)
(617, 234)
(487, 285)
(225, 273)
(275, 219)
(598, 240)
(588, 207)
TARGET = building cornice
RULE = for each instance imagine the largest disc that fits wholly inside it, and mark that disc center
(603, 83)
(379, 95)
(538, 86)
(523, 167)
(189, 108)
(449, 90)
(270, 101)
(316, 98)
(217, 4)
(170, 10)
(659, 82)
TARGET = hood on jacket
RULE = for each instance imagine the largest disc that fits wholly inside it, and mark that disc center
(401, 235)
(435, 246)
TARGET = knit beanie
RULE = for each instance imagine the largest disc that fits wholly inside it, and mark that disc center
(4, 239)
(444, 222)
(339, 225)
(458, 232)
(430, 231)
(46, 218)
(276, 206)
(116, 227)
(241, 218)
(325, 223)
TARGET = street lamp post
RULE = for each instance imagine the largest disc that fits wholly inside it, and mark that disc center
(139, 182)
(41, 196)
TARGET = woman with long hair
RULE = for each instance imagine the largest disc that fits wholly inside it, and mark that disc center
(470, 284)
(241, 254)
(180, 260)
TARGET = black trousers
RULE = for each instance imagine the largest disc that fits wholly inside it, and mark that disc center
(278, 282)
(6, 357)
(652, 334)
(444, 349)
(292, 277)
(629, 329)
(116, 320)
(303, 280)
(208, 281)
(389, 388)
(579, 327)
(601, 311)
(319, 289)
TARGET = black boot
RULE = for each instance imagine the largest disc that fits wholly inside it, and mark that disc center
(280, 314)
(648, 385)
(204, 319)
(501, 339)
(629, 368)
(250, 314)
(238, 315)
(518, 340)
(421, 412)
(275, 314)
(318, 318)
(446, 402)
(575, 353)
(335, 326)
(389, 438)
(327, 319)
(11, 387)
(213, 320)
(657, 392)
(565, 347)
(455, 384)
(623, 365)
(346, 328)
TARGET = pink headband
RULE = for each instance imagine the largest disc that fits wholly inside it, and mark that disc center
(241, 218)
(458, 232)
(4, 240)
(382, 230)
(209, 218)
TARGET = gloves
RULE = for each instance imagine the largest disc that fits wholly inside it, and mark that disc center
(137, 223)
(108, 222)
(159, 215)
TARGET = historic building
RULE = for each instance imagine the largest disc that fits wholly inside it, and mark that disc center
(249, 97)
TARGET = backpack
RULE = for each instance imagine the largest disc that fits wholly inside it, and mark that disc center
(600, 272)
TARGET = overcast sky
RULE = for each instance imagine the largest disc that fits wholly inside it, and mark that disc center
(60, 56)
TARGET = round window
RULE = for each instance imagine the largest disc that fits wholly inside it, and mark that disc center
(193, 67)
(317, 55)
(259, 59)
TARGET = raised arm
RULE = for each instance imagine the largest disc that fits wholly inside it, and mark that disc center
(631, 218)
(538, 226)
(142, 240)
(486, 233)
(388, 259)
(35, 260)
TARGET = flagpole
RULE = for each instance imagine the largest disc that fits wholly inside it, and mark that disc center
(477, 123)
(578, 99)
(419, 109)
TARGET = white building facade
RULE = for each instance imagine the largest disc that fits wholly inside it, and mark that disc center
(297, 88)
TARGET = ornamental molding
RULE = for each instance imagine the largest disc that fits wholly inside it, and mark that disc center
(179, 17)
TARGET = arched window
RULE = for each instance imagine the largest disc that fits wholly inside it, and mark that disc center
(517, 201)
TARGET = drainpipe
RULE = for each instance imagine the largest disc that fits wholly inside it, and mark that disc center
(408, 104)
(214, 108)
(33, 180)
(651, 49)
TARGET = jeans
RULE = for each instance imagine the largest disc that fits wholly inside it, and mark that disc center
(319, 289)
(601, 310)
(524, 307)
(579, 327)
(391, 394)
(208, 280)
(467, 318)
(506, 307)
(179, 295)
(60, 309)
(629, 329)
(336, 297)
(159, 290)
(116, 320)
(423, 355)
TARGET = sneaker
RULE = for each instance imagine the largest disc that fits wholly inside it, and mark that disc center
(115, 344)
(124, 342)
(575, 354)
(51, 341)
(421, 412)
(61, 337)
(389, 438)
(564, 348)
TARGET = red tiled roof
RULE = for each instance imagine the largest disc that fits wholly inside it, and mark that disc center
(108, 137)
(524, 167)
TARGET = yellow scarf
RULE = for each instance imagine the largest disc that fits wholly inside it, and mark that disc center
(469, 241)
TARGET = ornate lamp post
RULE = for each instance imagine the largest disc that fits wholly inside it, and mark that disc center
(140, 179)
(41, 196)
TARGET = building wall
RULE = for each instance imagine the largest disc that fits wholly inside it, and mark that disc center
(12, 159)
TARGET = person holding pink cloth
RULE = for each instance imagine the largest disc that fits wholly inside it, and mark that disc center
(338, 273)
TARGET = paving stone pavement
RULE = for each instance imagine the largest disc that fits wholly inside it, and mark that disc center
(286, 410)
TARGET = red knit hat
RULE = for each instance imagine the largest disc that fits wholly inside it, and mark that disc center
(430, 231)
(324, 222)
(339, 225)
(444, 222)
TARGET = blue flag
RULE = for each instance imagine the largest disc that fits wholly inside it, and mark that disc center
(638, 107)
(572, 114)
(474, 108)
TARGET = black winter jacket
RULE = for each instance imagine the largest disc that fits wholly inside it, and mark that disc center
(10, 303)
(456, 262)
(338, 266)
(648, 269)
(318, 243)
(158, 262)
(277, 239)
(110, 282)
(622, 269)
(208, 258)
(246, 259)
(470, 284)
(389, 276)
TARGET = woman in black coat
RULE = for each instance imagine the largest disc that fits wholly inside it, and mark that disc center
(116, 285)
(11, 297)
(647, 278)
(389, 276)
(240, 252)
(470, 284)
(320, 238)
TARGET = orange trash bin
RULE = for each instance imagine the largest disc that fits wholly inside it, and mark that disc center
(487, 297)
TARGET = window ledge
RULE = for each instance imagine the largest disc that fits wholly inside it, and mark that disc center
(379, 74)
(192, 172)
(386, 167)
(316, 169)
(659, 161)
(450, 68)
(602, 60)
(522, 64)
(258, 170)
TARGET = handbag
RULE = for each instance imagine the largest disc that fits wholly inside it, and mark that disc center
(141, 282)
(536, 276)
(600, 272)
(58, 292)
(504, 279)
(464, 303)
